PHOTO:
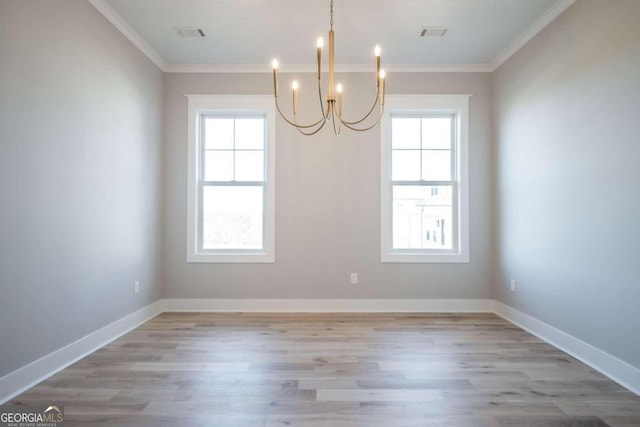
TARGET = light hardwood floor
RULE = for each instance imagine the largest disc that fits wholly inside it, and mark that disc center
(202, 369)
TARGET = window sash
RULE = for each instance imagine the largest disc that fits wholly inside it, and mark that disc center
(200, 236)
(455, 227)
(427, 115)
(202, 146)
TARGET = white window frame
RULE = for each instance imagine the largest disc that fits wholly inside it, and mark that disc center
(457, 105)
(233, 106)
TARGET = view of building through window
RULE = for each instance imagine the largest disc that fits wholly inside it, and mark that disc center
(422, 217)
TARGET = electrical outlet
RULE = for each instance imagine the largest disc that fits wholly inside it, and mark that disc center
(513, 285)
(354, 278)
(136, 287)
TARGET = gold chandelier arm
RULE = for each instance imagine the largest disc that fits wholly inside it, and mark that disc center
(299, 128)
(375, 102)
(350, 126)
(324, 122)
(295, 124)
(313, 132)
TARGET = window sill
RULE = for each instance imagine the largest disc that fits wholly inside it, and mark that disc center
(252, 258)
(433, 258)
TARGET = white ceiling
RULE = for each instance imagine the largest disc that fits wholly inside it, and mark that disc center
(248, 32)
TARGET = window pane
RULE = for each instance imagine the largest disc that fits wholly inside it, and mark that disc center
(218, 133)
(436, 165)
(422, 217)
(218, 165)
(232, 217)
(405, 132)
(249, 166)
(250, 133)
(405, 165)
(436, 132)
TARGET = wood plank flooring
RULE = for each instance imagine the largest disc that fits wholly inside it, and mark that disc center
(333, 370)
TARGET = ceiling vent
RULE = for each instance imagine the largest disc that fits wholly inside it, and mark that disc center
(433, 31)
(189, 32)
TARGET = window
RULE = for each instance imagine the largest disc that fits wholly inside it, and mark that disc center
(424, 179)
(231, 197)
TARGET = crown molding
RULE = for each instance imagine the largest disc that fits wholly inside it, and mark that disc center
(112, 16)
(339, 68)
(438, 68)
(135, 38)
(538, 25)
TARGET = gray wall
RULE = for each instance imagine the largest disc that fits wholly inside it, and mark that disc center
(327, 201)
(80, 176)
(568, 183)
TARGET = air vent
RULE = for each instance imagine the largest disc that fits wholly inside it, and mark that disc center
(433, 31)
(189, 32)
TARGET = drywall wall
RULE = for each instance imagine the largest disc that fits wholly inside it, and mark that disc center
(568, 201)
(80, 176)
(327, 199)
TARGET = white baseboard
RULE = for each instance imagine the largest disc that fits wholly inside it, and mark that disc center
(617, 370)
(330, 305)
(26, 377)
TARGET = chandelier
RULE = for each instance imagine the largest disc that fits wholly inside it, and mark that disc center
(332, 110)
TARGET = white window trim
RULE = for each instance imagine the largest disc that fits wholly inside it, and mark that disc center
(425, 104)
(226, 104)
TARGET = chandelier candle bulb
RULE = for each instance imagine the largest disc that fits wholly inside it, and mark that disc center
(319, 44)
(294, 86)
(339, 90)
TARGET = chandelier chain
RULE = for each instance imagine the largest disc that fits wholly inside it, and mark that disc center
(331, 14)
